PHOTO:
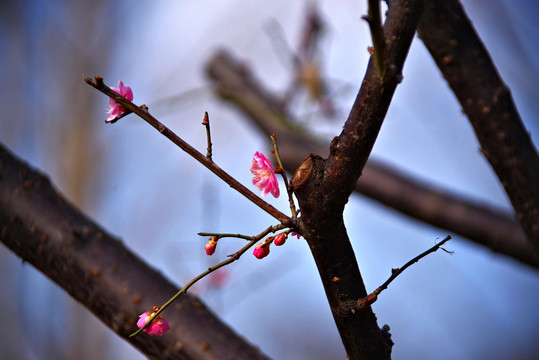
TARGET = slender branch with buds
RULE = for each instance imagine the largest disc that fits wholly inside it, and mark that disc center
(143, 113)
(231, 258)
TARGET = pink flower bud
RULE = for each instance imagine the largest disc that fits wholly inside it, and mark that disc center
(280, 239)
(157, 327)
(211, 245)
(261, 250)
(116, 110)
(295, 234)
(264, 176)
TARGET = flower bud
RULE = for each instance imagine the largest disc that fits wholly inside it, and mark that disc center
(280, 239)
(211, 245)
(261, 250)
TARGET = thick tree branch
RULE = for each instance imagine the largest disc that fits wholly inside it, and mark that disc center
(42, 228)
(459, 53)
(324, 186)
(490, 227)
(349, 152)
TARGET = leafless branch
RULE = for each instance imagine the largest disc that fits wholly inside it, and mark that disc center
(466, 65)
(143, 113)
(323, 187)
(371, 298)
(42, 228)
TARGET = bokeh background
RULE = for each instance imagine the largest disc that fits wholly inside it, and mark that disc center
(138, 186)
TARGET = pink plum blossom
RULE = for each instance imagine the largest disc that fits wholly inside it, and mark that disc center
(116, 110)
(264, 175)
(157, 327)
(261, 250)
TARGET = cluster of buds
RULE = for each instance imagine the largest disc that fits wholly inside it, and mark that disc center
(260, 251)
(263, 249)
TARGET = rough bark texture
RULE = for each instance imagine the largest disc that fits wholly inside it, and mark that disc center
(42, 228)
(337, 266)
(459, 53)
(324, 187)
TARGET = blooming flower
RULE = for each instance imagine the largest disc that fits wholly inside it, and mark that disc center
(157, 327)
(116, 110)
(261, 250)
(264, 176)
(211, 245)
(280, 239)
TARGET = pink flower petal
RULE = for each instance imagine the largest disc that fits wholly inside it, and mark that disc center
(157, 327)
(116, 110)
(264, 175)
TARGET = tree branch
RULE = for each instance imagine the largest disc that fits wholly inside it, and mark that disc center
(463, 60)
(324, 186)
(143, 113)
(395, 272)
(349, 152)
(495, 229)
(42, 228)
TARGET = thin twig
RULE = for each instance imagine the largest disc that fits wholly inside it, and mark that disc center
(144, 114)
(283, 174)
(231, 259)
(206, 123)
(377, 33)
(221, 235)
(371, 298)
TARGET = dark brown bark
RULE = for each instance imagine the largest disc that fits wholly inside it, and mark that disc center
(466, 65)
(493, 228)
(324, 186)
(42, 228)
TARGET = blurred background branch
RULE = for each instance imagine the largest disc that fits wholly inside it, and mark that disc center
(43, 229)
(464, 62)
